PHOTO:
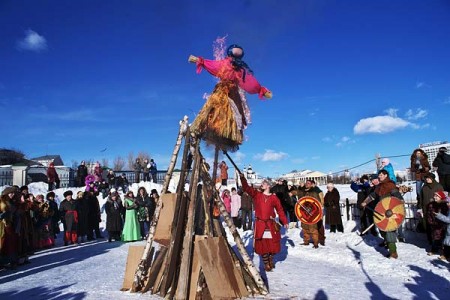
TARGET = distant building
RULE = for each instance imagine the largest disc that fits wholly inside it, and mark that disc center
(431, 149)
(297, 177)
(47, 159)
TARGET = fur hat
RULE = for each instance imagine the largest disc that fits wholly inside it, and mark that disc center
(8, 190)
(441, 195)
(429, 175)
(67, 193)
(443, 149)
(50, 194)
(154, 191)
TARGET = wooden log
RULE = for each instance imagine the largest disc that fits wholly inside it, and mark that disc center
(186, 257)
(178, 223)
(173, 160)
(215, 165)
(155, 268)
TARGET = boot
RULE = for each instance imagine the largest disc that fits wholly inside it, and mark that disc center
(266, 260)
(271, 263)
(393, 255)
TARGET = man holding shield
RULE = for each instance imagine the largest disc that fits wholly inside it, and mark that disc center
(385, 189)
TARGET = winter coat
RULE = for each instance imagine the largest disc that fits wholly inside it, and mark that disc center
(282, 192)
(148, 203)
(362, 190)
(265, 207)
(442, 163)
(332, 208)
(111, 178)
(235, 205)
(68, 210)
(223, 171)
(137, 167)
(437, 227)
(390, 171)
(83, 216)
(153, 168)
(98, 173)
(427, 193)
(52, 175)
(246, 202)
(114, 210)
(445, 219)
(94, 216)
(55, 217)
(82, 172)
(226, 201)
(419, 167)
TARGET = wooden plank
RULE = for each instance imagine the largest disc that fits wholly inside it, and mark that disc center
(155, 268)
(164, 226)
(214, 255)
(196, 268)
(133, 259)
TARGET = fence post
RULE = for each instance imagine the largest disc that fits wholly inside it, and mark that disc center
(347, 205)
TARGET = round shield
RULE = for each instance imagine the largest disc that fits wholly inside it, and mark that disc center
(389, 213)
(308, 210)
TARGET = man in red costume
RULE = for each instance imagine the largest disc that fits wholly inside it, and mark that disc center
(267, 232)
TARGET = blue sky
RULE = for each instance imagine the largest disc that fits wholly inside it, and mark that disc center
(350, 78)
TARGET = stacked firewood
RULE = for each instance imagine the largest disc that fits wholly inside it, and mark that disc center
(192, 258)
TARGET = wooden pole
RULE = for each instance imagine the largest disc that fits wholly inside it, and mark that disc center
(173, 161)
(178, 223)
(215, 164)
(182, 286)
(142, 269)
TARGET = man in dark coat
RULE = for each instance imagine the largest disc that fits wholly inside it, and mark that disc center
(332, 209)
(137, 170)
(55, 217)
(94, 216)
(82, 172)
(69, 217)
(114, 222)
(246, 210)
(442, 163)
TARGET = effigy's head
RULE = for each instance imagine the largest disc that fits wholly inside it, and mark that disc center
(235, 51)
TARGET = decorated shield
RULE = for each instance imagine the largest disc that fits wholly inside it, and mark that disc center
(389, 213)
(308, 210)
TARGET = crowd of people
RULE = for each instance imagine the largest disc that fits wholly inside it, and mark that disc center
(29, 223)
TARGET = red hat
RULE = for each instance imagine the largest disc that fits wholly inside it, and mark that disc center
(441, 195)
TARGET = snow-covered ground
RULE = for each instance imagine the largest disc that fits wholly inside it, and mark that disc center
(349, 266)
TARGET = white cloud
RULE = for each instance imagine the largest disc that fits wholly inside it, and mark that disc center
(270, 155)
(391, 112)
(32, 42)
(345, 139)
(418, 114)
(326, 139)
(380, 124)
(421, 84)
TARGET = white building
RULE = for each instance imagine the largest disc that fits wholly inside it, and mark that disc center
(297, 177)
(431, 149)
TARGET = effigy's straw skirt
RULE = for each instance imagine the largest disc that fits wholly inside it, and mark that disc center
(221, 121)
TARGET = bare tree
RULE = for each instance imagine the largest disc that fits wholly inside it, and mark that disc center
(105, 163)
(143, 156)
(74, 164)
(131, 160)
(10, 156)
(118, 164)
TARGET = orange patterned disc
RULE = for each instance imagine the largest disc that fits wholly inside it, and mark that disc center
(308, 210)
(389, 213)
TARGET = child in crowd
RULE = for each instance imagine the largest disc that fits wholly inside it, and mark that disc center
(446, 219)
(437, 228)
